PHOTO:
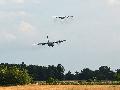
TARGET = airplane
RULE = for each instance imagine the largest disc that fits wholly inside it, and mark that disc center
(63, 17)
(51, 44)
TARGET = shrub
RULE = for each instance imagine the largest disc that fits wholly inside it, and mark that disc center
(52, 80)
(13, 76)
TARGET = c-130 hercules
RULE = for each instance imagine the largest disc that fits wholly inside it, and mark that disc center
(51, 44)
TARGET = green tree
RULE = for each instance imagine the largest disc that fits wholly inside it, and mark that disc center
(104, 73)
(86, 74)
(60, 72)
(117, 75)
(13, 76)
(69, 76)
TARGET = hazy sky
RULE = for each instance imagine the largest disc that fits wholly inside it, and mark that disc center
(93, 35)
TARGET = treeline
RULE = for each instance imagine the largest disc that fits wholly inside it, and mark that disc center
(43, 73)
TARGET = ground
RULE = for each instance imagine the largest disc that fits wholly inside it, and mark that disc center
(62, 87)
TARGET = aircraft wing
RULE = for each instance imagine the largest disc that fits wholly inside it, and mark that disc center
(60, 41)
(64, 40)
(42, 43)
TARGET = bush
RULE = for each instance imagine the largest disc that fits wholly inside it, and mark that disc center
(13, 76)
(52, 80)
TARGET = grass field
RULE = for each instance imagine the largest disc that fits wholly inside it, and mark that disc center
(63, 87)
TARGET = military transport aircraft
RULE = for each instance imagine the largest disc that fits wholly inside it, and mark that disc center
(51, 44)
(63, 17)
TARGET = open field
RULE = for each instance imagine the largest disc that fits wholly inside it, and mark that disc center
(63, 87)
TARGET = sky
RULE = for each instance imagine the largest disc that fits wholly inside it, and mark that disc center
(93, 34)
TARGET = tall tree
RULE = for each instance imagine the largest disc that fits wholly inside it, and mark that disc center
(60, 72)
(104, 73)
(69, 76)
(86, 74)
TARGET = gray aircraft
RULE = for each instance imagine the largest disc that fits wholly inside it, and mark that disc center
(63, 17)
(51, 44)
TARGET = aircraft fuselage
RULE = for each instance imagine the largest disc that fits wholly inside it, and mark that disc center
(50, 44)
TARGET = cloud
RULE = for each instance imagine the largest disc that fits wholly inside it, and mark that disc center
(18, 1)
(7, 36)
(114, 2)
(24, 32)
(25, 27)
(27, 30)
(12, 1)
(2, 1)
(12, 14)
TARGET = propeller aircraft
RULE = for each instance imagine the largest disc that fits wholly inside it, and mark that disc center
(51, 43)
